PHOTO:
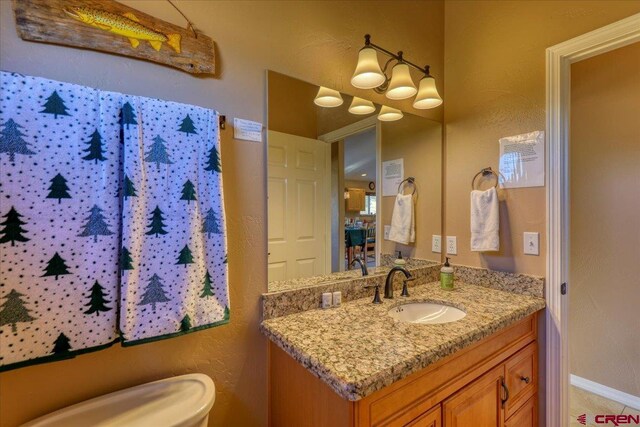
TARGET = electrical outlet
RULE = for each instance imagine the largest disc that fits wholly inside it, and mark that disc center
(531, 243)
(436, 243)
(387, 230)
(452, 245)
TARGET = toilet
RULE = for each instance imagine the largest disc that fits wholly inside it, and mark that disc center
(183, 401)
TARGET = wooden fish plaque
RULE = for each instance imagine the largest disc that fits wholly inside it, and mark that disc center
(109, 26)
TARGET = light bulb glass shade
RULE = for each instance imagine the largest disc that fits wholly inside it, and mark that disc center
(361, 106)
(328, 97)
(388, 114)
(368, 73)
(428, 96)
(401, 85)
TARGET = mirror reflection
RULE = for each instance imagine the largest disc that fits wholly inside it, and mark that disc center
(336, 165)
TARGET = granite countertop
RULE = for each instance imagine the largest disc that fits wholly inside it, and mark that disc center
(382, 270)
(358, 348)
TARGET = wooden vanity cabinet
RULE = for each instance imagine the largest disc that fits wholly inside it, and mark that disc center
(492, 383)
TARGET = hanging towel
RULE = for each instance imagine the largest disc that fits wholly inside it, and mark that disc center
(59, 220)
(402, 221)
(485, 221)
(173, 262)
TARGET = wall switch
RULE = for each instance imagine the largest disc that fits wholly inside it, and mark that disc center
(531, 243)
(452, 245)
(436, 243)
(387, 230)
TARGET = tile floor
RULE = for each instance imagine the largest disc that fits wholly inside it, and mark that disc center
(584, 402)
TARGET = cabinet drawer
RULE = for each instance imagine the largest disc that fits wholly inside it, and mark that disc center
(521, 377)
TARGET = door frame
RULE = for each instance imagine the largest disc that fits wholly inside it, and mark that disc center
(352, 129)
(558, 96)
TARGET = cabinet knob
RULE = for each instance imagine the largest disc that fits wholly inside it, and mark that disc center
(525, 379)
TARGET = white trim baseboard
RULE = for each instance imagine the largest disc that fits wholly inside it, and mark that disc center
(607, 392)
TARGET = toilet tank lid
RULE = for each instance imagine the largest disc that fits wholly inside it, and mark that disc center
(172, 402)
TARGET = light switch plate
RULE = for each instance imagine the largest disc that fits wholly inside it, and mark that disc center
(387, 229)
(452, 245)
(436, 243)
(531, 243)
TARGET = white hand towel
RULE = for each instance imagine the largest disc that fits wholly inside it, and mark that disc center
(485, 221)
(402, 222)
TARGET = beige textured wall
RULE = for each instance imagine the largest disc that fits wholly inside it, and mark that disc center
(495, 87)
(314, 41)
(604, 337)
(419, 143)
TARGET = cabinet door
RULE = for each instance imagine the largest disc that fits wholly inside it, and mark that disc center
(431, 418)
(479, 404)
(526, 416)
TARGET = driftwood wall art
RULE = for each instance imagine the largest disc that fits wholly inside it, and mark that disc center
(109, 26)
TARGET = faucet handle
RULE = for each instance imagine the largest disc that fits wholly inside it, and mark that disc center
(376, 296)
(405, 290)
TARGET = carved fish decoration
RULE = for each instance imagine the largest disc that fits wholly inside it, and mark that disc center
(127, 25)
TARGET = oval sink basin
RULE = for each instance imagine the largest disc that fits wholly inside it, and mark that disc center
(426, 313)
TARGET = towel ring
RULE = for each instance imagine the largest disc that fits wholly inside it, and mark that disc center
(411, 180)
(485, 172)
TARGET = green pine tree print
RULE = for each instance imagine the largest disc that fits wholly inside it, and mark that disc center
(158, 153)
(56, 267)
(187, 126)
(210, 223)
(185, 256)
(127, 115)
(188, 192)
(12, 231)
(185, 323)
(55, 105)
(129, 189)
(61, 345)
(156, 226)
(126, 262)
(58, 188)
(95, 150)
(213, 161)
(154, 293)
(11, 140)
(97, 300)
(96, 225)
(14, 311)
(207, 291)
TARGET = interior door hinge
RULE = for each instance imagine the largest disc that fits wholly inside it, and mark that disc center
(563, 288)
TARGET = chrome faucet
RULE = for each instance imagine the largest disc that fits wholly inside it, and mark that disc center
(388, 286)
(363, 266)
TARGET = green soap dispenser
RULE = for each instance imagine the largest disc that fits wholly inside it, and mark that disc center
(446, 276)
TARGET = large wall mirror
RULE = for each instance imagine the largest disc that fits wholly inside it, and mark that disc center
(326, 204)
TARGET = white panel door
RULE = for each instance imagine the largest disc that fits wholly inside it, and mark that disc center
(298, 206)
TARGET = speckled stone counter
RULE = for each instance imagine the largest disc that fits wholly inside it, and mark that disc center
(358, 348)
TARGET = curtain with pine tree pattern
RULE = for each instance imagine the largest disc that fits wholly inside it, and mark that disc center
(173, 277)
(111, 220)
(59, 219)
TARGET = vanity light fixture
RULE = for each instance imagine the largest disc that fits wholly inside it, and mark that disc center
(369, 75)
(361, 106)
(428, 96)
(328, 97)
(388, 114)
(401, 86)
